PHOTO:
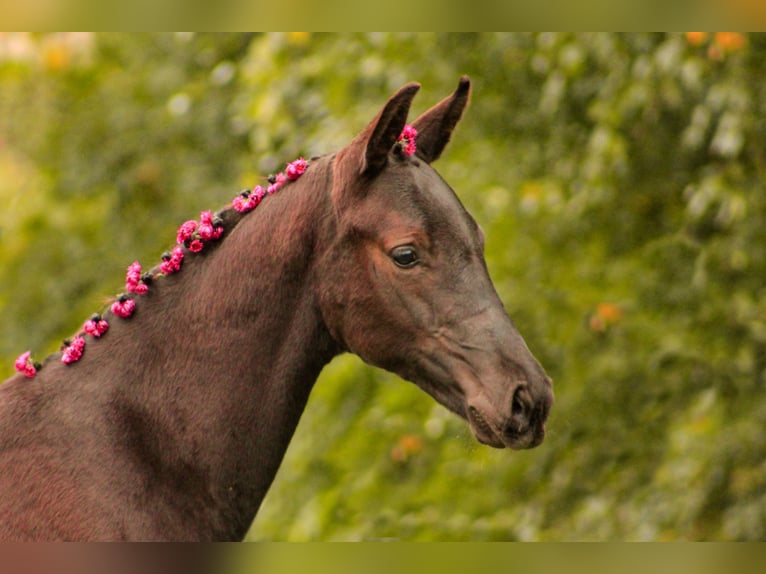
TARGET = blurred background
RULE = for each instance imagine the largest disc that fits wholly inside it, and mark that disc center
(618, 179)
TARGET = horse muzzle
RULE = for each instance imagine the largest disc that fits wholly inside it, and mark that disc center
(519, 425)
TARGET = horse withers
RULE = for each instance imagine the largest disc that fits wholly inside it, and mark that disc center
(167, 416)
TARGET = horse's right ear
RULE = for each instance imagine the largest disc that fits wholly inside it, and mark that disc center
(367, 153)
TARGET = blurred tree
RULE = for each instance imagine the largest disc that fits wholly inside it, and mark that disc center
(618, 179)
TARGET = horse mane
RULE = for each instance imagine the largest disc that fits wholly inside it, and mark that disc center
(194, 241)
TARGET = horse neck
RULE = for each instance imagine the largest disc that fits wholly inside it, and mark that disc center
(214, 370)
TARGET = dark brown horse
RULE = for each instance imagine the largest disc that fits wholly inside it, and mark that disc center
(172, 424)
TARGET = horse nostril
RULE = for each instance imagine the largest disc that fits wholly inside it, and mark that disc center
(517, 408)
(519, 421)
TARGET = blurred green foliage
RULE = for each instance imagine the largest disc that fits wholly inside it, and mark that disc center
(619, 181)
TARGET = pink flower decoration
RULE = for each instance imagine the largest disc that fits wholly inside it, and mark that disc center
(124, 307)
(73, 352)
(205, 231)
(133, 282)
(249, 200)
(171, 262)
(258, 193)
(243, 204)
(408, 135)
(22, 361)
(167, 267)
(134, 273)
(186, 231)
(191, 233)
(277, 182)
(296, 168)
(24, 364)
(95, 326)
(209, 226)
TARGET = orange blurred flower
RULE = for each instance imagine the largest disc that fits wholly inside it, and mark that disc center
(411, 443)
(696, 38)
(609, 312)
(730, 41)
(407, 446)
(722, 42)
(606, 315)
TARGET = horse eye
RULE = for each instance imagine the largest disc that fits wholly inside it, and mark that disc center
(405, 256)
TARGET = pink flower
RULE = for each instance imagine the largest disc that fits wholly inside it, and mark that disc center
(205, 231)
(186, 230)
(408, 135)
(133, 282)
(22, 361)
(249, 200)
(258, 193)
(243, 203)
(171, 262)
(24, 364)
(273, 188)
(95, 326)
(73, 352)
(276, 181)
(134, 273)
(296, 168)
(124, 307)
(196, 246)
(167, 267)
(209, 226)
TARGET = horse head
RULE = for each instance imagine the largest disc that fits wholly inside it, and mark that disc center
(404, 283)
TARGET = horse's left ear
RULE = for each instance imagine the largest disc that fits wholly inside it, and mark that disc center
(435, 126)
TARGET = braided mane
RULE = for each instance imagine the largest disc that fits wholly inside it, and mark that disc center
(193, 237)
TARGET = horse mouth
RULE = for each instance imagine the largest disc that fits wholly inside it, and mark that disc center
(518, 439)
(482, 430)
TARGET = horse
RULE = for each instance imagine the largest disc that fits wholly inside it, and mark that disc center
(167, 416)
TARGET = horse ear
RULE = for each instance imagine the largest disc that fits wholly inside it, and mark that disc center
(371, 147)
(435, 125)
